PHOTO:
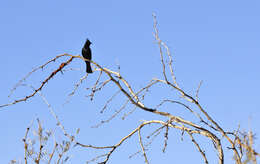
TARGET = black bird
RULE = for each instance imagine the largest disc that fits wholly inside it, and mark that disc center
(86, 53)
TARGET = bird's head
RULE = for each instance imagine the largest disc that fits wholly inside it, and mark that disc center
(88, 42)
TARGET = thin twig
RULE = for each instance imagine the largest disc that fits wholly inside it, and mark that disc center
(165, 138)
(109, 100)
(40, 140)
(142, 146)
(111, 117)
(198, 147)
(95, 86)
(76, 88)
(197, 92)
(25, 143)
(53, 151)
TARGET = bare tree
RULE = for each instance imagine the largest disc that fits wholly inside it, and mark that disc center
(37, 151)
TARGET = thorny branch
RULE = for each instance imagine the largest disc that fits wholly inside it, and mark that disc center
(62, 65)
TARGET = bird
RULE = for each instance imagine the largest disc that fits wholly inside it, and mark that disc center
(86, 53)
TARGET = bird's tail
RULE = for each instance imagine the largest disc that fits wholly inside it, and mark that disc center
(89, 70)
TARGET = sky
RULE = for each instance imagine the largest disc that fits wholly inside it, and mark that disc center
(213, 41)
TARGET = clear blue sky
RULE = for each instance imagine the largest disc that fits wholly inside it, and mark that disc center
(217, 42)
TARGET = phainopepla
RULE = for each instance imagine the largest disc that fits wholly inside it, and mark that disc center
(86, 53)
